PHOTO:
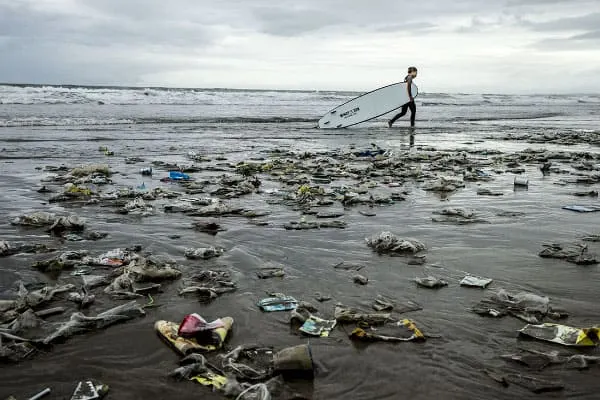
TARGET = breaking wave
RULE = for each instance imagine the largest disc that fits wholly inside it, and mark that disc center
(38, 121)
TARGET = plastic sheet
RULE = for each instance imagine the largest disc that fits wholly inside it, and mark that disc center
(79, 323)
(283, 303)
(387, 242)
(562, 334)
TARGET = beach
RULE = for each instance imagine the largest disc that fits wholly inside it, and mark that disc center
(475, 142)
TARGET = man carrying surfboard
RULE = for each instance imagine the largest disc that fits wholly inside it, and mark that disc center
(412, 74)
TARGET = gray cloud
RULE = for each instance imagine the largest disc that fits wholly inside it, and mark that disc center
(578, 23)
(419, 27)
(291, 22)
(588, 36)
(584, 41)
(26, 22)
(520, 3)
(203, 42)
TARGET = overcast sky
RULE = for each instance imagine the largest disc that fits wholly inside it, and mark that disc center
(512, 46)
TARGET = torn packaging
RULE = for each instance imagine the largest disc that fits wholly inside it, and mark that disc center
(562, 334)
(282, 303)
(168, 332)
(80, 323)
(316, 326)
(416, 334)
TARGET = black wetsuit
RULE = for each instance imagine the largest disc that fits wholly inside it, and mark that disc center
(408, 106)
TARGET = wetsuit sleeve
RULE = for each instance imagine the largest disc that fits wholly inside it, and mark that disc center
(409, 86)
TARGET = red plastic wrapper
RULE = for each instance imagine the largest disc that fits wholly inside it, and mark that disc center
(194, 325)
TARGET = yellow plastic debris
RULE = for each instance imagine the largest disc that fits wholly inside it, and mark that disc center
(562, 334)
(211, 379)
(363, 335)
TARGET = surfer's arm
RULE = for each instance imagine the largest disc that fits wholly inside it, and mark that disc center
(409, 88)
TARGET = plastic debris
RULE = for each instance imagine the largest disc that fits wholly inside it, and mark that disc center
(80, 323)
(137, 206)
(367, 213)
(591, 193)
(582, 209)
(203, 253)
(459, 216)
(270, 272)
(151, 269)
(521, 181)
(209, 284)
(50, 311)
(35, 298)
(82, 299)
(8, 249)
(194, 324)
(209, 378)
(87, 170)
(256, 392)
(534, 385)
(474, 281)
(188, 370)
(370, 152)
(562, 334)
(360, 279)
(525, 306)
(206, 342)
(40, 394)
(281, 303)
(488, 192)
(329, 214)
(88, 390)
(209, 227)
(316, 326)
(348, 266)
(576, 254)
(321, 298)
(178, 176)
(14, 348)
(147, 171)
(36, 219)
(306, 225)
(538, 360)
(382, 304)
(416, 334)
(345, 315)
(431, 282)
(530, 383)
(445, 184)
(195, 368)
(113, 258)
(387, 242)
(295, 360)
(70, 223)
(528, 307)
(591, 238)
(248, 362)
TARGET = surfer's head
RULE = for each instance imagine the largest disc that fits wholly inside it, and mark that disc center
(412, 71)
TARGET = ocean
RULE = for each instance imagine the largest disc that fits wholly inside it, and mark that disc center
(506, 136)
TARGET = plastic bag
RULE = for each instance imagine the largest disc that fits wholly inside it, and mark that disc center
(256, 392)
(194, 324)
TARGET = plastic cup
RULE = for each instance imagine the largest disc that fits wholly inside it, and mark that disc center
(521, 181)
(294, 360)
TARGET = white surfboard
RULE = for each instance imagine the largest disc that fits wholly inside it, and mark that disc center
(368, 106)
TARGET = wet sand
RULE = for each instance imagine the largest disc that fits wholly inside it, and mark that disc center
(132, 360)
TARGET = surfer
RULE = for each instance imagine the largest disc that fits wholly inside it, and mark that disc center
(412, 74)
